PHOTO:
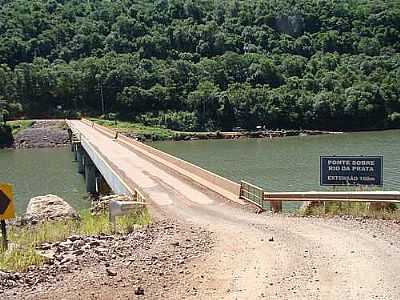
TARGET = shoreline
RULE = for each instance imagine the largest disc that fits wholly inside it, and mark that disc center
(262, 134)
(41, 134)
(51, 133)
(152, 134)
(148, 133)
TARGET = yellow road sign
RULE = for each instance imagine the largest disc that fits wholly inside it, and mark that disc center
(7, 209)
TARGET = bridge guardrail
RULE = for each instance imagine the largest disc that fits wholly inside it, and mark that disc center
(256, 195)
(374, 196)
(252, 193)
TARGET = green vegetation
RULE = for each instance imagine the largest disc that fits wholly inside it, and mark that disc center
(24, 240)
(140, 130)
(8, 131)
(17, 126)
(6, 136)
(354, 209)
(205, 65)
(155, 133)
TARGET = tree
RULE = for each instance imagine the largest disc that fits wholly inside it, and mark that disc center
(204, 102)
(288, 64)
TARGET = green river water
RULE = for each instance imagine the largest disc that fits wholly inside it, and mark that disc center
(290, 163)
(280, 164)
(35, 172)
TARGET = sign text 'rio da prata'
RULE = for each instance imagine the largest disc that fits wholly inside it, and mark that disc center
(351, 170)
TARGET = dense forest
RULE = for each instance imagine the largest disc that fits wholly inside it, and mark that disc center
(204, 64)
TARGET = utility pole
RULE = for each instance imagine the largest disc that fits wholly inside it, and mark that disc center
(102, 99)
(100, 87)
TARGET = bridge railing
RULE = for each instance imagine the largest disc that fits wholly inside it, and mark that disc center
(374, 196)
(253, 194)
(138, 196)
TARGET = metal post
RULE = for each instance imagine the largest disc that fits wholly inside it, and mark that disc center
(276, 206)
(4, 234)
(111, 220)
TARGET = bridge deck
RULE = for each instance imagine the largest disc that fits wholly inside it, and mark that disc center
(161, 186)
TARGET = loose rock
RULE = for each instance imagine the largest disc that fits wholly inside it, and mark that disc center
(139, 291)
(49, 207)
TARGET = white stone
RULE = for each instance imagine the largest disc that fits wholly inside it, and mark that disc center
(50, 207)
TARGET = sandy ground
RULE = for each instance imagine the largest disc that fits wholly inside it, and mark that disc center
(258, 256)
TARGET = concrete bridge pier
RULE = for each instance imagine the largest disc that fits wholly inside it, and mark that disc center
(80, 159)
(75, 149)
(102, 186)
(90, 175)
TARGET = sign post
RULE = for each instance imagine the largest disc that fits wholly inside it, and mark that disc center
(4, 235)
(351, 170)
(120, 208)
(7, 210)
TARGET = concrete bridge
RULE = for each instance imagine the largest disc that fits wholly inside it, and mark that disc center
(128, 166)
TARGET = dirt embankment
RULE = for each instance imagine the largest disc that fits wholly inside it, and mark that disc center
(150, 263)
(43, 134)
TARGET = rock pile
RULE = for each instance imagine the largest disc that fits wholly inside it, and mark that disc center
(43, 134)
(159, 250)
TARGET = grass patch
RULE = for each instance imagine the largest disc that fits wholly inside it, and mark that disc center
(148, 132)
(18, 125)
(155, 133)
(355, 209)
(24, 240)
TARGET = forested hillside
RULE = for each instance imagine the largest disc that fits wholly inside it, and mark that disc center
(205, 65)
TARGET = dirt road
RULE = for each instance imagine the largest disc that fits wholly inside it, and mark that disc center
(261, 256)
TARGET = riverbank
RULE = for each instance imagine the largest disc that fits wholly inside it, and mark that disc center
(144, 133)
(19, 125)
(350, 210)
(9, 130)
(42, 134)
(28, 234)
(154, 259)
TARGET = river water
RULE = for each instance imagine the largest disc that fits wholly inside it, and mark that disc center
(290, 163)
(35, 172)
